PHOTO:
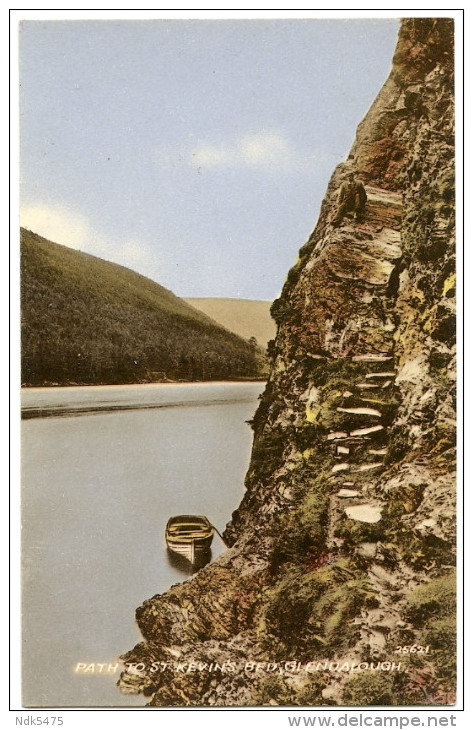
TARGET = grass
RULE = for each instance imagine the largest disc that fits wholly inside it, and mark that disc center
(324, 601)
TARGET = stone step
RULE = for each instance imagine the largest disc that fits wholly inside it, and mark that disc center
(372, 358)
(381, 216)
(377, 452)
(358, 452)
(380, 375)
(343, 450)
(387, 197)
(369, 512)
(366, 431)
(383, 207)
(347, 493)
(355, 469)
(368, 467)
(386, 384)
(340, 467)
(360, 411)
(367, 386)
(336, 435)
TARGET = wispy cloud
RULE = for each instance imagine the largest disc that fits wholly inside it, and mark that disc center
(69, 228)
(58, 224)
(262, 149)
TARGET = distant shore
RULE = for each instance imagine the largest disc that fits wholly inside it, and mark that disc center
(261, 379)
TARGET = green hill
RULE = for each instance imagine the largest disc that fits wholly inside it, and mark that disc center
(89, 321)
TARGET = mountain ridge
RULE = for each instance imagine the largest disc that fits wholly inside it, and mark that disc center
(248, 318)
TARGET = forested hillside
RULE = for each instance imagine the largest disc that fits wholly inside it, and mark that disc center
(86, 320)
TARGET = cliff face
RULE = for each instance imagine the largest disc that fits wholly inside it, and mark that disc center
(340, 576)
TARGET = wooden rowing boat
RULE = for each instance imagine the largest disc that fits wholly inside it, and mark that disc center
(189, 536)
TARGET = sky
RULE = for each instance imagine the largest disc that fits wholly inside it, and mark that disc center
(194, 152)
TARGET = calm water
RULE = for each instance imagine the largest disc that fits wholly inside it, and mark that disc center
(101, 476)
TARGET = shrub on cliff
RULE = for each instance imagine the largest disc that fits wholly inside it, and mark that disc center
(308, 611)
(432, 609)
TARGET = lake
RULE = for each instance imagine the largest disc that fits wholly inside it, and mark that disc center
(103, 468)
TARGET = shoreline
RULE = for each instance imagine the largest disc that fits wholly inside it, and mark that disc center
(56, 386)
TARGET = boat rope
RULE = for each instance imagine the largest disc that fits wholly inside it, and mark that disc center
(220, 535)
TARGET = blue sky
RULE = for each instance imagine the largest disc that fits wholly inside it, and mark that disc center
(195, 152)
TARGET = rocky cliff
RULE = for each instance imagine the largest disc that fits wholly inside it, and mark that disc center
(339, 585)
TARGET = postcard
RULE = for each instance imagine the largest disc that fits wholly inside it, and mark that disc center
(238, 362)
